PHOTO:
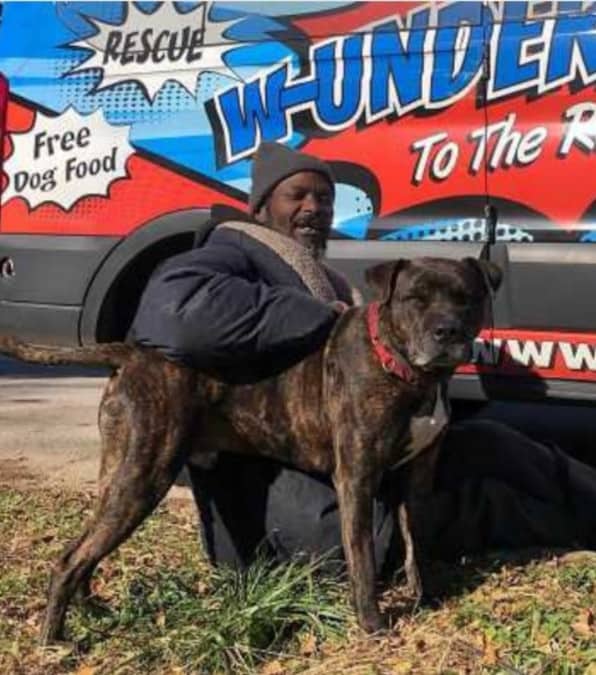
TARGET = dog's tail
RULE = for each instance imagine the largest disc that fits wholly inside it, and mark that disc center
(111, 354)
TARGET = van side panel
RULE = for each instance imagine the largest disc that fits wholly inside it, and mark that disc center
(3, 105)
(453, 128)
(540, 153)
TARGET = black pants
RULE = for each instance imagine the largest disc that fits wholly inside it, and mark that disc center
(495, 488)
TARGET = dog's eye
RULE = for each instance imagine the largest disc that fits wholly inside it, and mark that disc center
(416, 299)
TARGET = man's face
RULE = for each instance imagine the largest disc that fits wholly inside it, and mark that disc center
(301, 207)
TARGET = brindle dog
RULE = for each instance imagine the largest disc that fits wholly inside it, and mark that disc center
(349, 410)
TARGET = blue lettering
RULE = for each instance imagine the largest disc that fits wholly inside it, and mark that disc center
(242, 116)
(326, 62)
(508, 71)
(445, 82)
(567, 32)
(298, 93)
(394, 65)
(334, 89)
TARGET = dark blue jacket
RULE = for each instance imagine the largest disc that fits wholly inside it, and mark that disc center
(232, 308)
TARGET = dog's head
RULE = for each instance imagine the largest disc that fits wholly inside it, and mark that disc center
(436, 306)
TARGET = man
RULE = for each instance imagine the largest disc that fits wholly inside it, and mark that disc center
(240, 306)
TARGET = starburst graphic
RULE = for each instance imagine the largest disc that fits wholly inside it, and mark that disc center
(151, 49)
(66, 157)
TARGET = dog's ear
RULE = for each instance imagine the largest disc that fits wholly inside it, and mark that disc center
(491, 274)
(382, 278)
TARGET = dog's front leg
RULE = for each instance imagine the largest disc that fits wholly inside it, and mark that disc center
(355, 499)
(413, 579)
(410, 505)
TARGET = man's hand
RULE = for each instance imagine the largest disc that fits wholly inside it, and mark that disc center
(339, 306)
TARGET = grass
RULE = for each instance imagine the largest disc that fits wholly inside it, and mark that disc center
(164, 606)
(166, 611)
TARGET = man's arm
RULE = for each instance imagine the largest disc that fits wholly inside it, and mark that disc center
(209, 309)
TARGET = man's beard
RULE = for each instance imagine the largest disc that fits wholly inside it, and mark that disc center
(316, 245)
(315, 248)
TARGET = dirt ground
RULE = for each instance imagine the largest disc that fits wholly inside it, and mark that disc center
(492, 616)
(48, 432)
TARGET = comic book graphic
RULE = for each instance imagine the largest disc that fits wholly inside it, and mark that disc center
(554, 355)
(121, 112)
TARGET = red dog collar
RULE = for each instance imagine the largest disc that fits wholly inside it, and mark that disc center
(391, 363)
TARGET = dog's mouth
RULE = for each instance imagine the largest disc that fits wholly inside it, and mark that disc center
(447, 357)
(432, 365)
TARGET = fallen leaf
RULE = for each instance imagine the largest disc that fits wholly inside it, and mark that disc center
(308, 645)
(85, 670)
(273, 668)
(33, 619)
(46, 536)
(490, 653)
(585, 623)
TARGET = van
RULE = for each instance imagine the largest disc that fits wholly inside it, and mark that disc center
(454, 129)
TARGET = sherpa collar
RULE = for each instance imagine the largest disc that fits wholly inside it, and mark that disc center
(314, 275)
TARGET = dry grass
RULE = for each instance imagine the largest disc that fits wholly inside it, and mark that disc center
(168, 612)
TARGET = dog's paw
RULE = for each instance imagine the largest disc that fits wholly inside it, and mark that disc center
(372, 623)
(414, 586)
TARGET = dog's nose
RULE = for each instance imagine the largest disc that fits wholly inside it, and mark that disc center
(446, 331)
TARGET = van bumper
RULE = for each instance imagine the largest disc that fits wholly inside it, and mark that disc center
(43, 283)
(42, 324)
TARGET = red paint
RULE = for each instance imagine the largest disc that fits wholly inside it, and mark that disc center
(563, 353)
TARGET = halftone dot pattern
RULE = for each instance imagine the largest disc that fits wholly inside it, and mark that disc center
(62, 66)
(209, 84)
(510, 233)
(74, 89)
(90, 204)
(124, 103)
(174, 121)
(168, 192)
(127, 102)
(85, 209)
(174, 98)
(363, 205)
(468, 229)
(89, 89)
(353, 210)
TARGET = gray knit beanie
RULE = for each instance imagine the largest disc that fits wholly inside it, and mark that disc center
(273, 162)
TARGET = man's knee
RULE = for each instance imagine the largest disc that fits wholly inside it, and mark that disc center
(482, 434)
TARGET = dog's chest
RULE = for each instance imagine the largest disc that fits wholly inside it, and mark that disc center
(425, 426)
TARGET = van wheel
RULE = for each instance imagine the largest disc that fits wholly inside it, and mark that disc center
(122, 300)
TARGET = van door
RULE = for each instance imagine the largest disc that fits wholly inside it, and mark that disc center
(416, 166)
(423, 182)
(540, 145)
(3, 104)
